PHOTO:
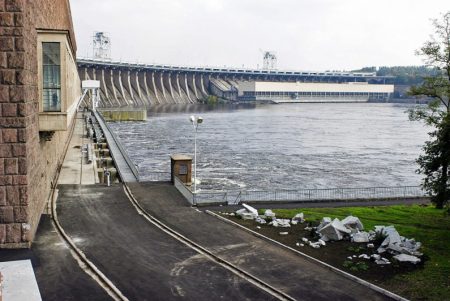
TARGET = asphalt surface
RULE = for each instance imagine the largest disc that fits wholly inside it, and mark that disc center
(142, 261)
(58, 275)
(278, 267)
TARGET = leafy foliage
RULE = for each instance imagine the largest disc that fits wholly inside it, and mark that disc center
(434, 163)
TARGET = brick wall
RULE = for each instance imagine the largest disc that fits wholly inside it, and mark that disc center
(27, 164)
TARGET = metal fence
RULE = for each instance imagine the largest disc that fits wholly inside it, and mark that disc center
(301, 195)
(120, 146)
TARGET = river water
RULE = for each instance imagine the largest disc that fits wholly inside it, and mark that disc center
(284, 146)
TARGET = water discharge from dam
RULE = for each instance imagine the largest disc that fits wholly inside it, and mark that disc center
(290, 146)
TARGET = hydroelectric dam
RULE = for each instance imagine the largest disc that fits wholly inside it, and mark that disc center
(127, 84)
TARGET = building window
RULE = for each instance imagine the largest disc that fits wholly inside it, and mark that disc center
(51, 88)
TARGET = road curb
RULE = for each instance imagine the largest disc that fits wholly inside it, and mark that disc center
(313, 260)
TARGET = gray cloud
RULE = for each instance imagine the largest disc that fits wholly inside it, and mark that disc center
(306, 34)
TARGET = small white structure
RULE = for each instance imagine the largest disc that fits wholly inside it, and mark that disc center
(19, 281)
(295, 92)
(94, 87)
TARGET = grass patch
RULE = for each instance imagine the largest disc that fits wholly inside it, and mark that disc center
(426, 224)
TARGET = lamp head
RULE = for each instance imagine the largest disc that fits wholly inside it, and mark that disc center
(199, 120)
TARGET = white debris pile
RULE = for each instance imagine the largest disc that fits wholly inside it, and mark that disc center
(396, 244)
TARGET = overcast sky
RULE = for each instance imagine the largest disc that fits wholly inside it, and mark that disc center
(305, 34)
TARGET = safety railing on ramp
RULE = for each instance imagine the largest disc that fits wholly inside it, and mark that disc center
(306, 195)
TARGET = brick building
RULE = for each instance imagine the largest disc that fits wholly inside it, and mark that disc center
(39, 91)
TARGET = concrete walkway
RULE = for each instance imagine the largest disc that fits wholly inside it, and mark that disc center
(278, 267)
(75, 169)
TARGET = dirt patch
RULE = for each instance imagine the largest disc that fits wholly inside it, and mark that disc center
(335, 253)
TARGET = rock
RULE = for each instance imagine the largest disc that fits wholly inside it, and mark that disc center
(325, 221)
(232, 214)
(407, 258)
(322, 242)
(304, 239)
(370, 246)
(244, 214)
(269, 213)
(314, 245)
(302, 245)
(324, 238)
(260, 220)
(258, 227)
(352, 222)
(250, 209)
(297, 244)
(283, 223)
(334, 230)
(350, 258)
(340, 226)
(375, 256)
(294, 222)
(331, 232)
(381, 250)
(397, 244)
(364, 256)
(360, 237)
(284, 233)
(381, 262)
(299, 218)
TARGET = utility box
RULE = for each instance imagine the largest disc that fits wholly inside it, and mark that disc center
(181, 167)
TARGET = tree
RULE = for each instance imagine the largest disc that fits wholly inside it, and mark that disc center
(434, 163)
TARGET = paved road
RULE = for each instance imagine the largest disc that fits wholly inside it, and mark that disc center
(141, 260)
(279, 267)
(57, 273)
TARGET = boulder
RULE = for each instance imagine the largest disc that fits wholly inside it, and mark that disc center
(284, 223)
(352, 222)
(407, 258)
(244, 214)
(360, 237)
(269, 213)
(325, 221)
(260, 220)
(331, 233)
(299, 218)
(250, 209)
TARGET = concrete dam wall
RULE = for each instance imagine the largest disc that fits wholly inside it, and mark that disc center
(134, 87)
(125, 84)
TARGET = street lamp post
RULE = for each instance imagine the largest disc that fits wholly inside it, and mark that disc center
(195, 122)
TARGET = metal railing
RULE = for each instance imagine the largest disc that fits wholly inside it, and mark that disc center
(130, 163)
(302, 195)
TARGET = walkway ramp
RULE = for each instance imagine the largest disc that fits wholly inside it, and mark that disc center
(278, 267)
(124, 165)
